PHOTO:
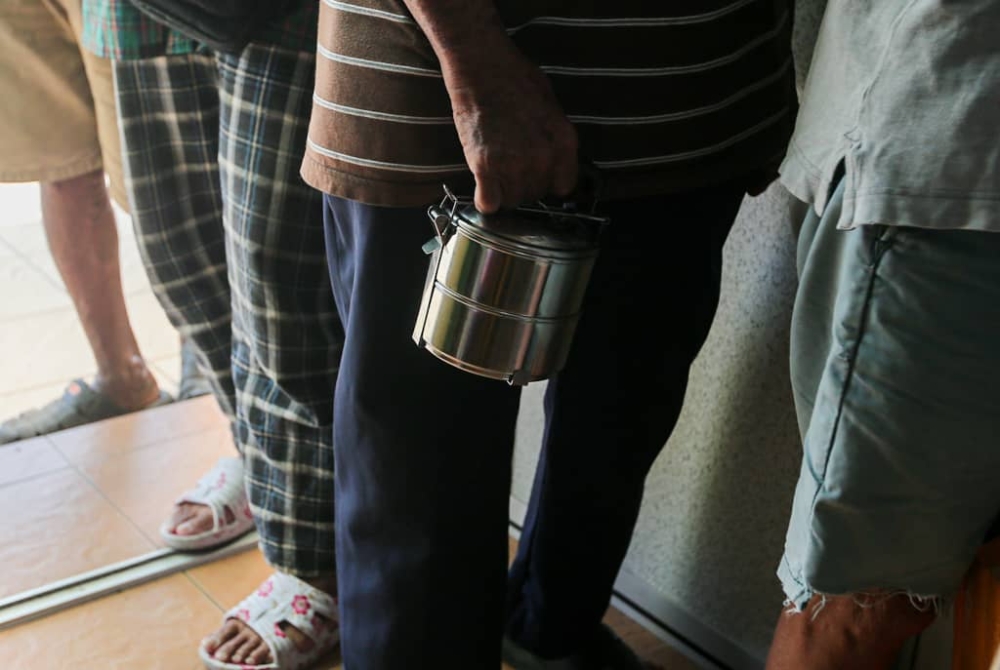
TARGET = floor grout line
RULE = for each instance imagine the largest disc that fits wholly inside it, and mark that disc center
(51, 311)
(76, 467)
(152, 362)
(51, 445)
(55, 310)
(132, 522)
(5, 243)
(61, 286)
(168, 376)
(39, 387)
(144, 447)
(37, 475)
(201, 589)
(115, 507)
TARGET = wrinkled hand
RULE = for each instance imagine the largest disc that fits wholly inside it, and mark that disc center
(517, 141)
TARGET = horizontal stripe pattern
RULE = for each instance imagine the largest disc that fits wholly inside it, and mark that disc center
(679, 89)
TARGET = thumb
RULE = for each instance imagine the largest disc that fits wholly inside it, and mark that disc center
(489, 195)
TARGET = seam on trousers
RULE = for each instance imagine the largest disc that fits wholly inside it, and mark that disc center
(878, 248)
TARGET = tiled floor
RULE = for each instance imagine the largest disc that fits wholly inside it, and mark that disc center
(95, 495)
(42, 346)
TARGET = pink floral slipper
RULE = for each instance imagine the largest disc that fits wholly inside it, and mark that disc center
(220, 490)
(285, 599)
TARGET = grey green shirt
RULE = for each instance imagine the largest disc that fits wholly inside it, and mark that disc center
(906, 94)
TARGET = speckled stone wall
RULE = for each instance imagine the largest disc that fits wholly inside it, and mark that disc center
(714, 519)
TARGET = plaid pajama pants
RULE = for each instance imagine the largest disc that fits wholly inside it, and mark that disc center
(283, 334)
(168, 110)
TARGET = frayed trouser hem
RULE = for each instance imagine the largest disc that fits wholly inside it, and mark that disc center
(801, 597)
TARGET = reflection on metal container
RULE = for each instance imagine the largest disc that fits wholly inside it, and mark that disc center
(504, 291)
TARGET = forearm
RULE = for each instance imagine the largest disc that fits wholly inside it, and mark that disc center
(517, 152)
(461, 32)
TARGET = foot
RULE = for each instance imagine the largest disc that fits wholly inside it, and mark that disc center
(81, 403)
(237, 642)
(130, 385)
(214, 512)
(191, 519)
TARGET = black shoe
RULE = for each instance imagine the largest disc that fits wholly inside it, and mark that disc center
(604, 651)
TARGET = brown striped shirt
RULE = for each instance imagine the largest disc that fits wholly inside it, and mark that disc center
(664, 94)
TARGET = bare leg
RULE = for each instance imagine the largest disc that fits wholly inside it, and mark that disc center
(236, 642)
(80, 227)
(841, 633)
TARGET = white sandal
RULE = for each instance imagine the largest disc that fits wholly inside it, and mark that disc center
(285, 599)
(221, 490)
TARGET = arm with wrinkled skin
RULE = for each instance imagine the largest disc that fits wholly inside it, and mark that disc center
(517, 140)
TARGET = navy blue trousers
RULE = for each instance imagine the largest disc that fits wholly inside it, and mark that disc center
(423, 451)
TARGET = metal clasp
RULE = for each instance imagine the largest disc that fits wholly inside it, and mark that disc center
(442, 217)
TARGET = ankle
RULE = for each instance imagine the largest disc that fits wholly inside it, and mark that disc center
(129, 384)
(846, 631)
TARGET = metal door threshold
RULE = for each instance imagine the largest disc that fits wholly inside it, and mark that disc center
(62, 595)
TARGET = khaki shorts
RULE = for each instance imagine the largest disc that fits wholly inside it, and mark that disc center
(57, 108)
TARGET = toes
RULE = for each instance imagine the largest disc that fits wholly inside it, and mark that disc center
(198, 520)
(235, 642)
(228, 649)
(248, 646)
(212, 643)
(184, 513)
(186, 528)
(220, 637)
(261, 655)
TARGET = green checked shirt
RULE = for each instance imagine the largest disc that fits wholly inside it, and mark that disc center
(115, 29)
